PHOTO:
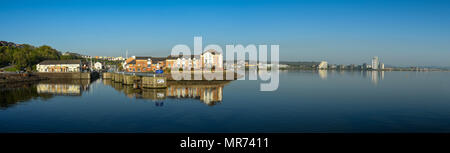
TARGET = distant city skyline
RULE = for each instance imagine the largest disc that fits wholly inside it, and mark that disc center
(402, 33)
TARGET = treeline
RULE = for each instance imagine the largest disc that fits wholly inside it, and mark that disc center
(25, 56)
(10, 96)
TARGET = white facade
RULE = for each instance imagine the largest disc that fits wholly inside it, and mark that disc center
(188, 62)
(58, 68)
(323, 65)
(375, 63)
(98, 66)
(210, 59)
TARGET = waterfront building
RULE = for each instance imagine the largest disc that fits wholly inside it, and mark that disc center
(365, 66)
(360, 67)
(98, 66)
(59, 66)
(264, 66)
(86, 56)
(375, 63)
(120, 58)
(283, 66)
(382, 66)
(192, 61)
(351, 67)
(332, 66)
(210, 59)
(143, 64)
(323, 65)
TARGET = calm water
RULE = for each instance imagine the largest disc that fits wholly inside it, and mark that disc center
(306, 101)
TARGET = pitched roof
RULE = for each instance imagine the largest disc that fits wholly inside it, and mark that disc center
(154, 59)
(157, 59)
(142, 57)
(151, 58)
(131, 62)
(181, 56)
(212, 51)
(52, 62)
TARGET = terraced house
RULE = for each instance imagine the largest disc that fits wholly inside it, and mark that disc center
(59, 66)
(209, 59)
(144, 64)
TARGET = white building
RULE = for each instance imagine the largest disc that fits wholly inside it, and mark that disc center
(212, 58)
(375, 63)
(323, 65)
(86, 56)
(98, 66)
(209, 58)
(120, 58)
(264, 66)
(59, 66)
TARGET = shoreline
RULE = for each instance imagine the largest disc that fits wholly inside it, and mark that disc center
(19, 78)
(386, 70)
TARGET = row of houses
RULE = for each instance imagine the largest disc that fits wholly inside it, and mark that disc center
(61, 66)
(108, 58)
(209, 58)
(69, 66)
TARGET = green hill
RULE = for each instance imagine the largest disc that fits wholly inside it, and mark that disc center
(25, 56)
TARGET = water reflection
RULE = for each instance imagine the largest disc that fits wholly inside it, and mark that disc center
(208, 92)
(323, 74)
(375, 76)
(63, 87)
(12, 94)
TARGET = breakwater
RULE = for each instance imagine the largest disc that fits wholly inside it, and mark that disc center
(68, 75)
(19, 77)
(138, 80)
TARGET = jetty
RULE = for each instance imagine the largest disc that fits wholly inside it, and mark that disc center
(153, 80)
(138, 80)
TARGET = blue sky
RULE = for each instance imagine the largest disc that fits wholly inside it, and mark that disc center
(399, 32)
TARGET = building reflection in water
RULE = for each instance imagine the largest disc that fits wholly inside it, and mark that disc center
(63, 87)
(208, 92)
(323, 74)
(14, 93)
(375, 76)
(59, 89)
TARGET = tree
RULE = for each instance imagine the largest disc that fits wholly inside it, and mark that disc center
(27, 56)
